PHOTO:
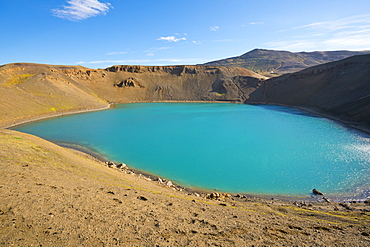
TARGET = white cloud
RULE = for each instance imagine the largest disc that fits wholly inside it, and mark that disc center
(77, 10)
(215, 28)
(256, 23)
(228, 40)
(350, 33)
(197, 42)
(150, 54)
(171, 39)
(360, 41)
(292, 45)
(339, 24)
(155, 49)
(117, 53)
(144, 61)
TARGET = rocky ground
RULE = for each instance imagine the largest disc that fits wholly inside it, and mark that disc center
(53, 196)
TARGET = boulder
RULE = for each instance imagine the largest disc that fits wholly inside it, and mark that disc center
(316, 192)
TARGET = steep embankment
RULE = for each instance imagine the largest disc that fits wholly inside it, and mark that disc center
(339, 89)
(272, 63)
(124, 83)
(34, 90)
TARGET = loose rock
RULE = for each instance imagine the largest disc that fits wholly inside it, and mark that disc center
(316, 192)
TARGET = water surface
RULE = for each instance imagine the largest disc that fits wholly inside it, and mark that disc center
(229, 147)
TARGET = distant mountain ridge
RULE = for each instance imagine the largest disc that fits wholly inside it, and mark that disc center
(273, 62)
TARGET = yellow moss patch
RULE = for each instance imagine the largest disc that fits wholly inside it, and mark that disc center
(15, 79)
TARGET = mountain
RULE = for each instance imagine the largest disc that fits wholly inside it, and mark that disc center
(272, 63)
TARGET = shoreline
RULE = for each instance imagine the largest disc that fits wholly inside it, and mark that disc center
(108, 106)
(192, 190)
(53, 115)
(206, 193)
(347, 124)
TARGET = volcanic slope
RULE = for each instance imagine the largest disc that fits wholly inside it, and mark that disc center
(272, 63)
(340, 90)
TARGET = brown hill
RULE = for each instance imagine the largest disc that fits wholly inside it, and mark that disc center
(273, 63)
(340, 90)
(33, 90)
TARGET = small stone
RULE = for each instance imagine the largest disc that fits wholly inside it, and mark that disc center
(122, 166)
(326, 199)
(117, 200)
(142, 198)
(316, 192)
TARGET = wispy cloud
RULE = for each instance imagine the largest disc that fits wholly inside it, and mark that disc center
(256, 23)
(77, 10)
(292, 45)
(339, 24)
(196, 42)
(171, 39)
(143, 61)
(228, 40)
(350, 33)
(215, 28)
(117, 53)
(155, 49)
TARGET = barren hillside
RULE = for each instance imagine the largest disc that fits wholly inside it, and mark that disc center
(340, 90)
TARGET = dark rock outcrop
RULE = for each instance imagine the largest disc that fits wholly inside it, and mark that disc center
(129, 82)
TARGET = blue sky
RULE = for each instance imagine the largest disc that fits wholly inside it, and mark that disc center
(101, 33)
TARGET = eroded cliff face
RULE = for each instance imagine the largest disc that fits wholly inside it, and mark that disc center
(339, 89)
(32, 90)
(168, 83)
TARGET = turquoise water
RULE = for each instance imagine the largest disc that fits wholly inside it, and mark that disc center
(229, 147)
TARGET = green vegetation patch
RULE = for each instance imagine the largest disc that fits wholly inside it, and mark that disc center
(19, 78)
